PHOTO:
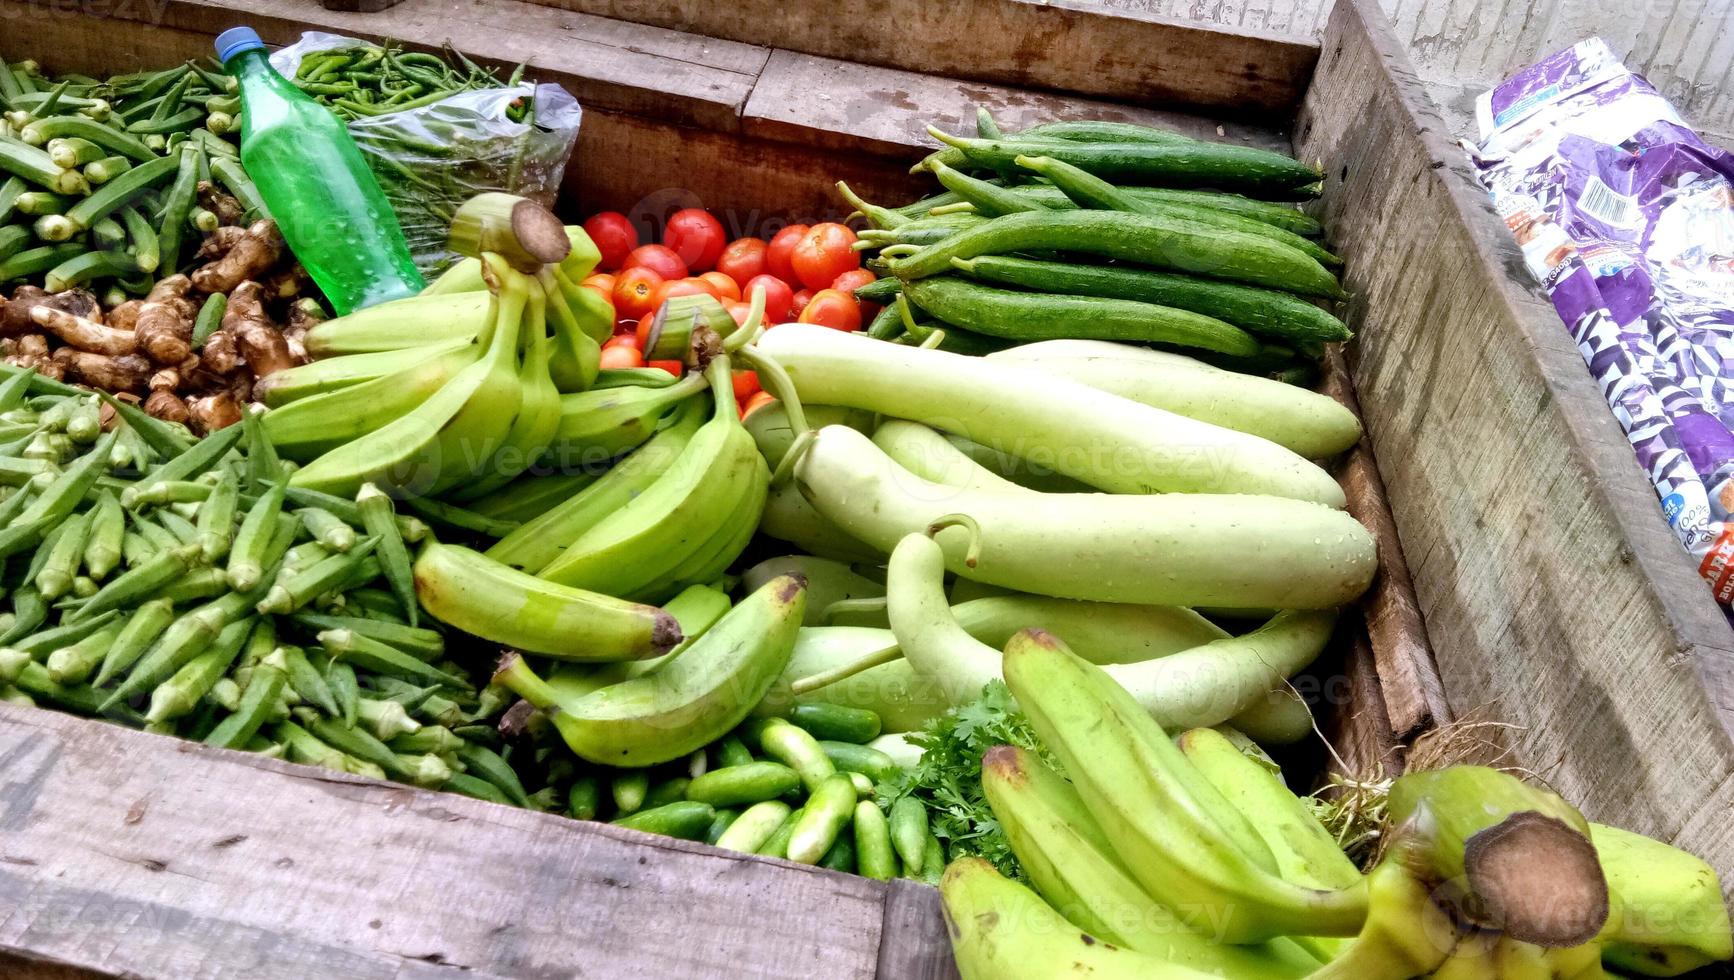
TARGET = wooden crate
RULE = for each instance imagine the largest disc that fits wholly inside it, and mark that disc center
(123, 853)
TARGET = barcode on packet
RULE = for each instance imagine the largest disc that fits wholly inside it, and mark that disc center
(1604, 204)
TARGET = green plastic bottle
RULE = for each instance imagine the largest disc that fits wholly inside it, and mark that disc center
(317, 186)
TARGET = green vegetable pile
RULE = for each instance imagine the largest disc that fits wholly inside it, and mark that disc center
(361, 79)
(947, 780)
(103, 177)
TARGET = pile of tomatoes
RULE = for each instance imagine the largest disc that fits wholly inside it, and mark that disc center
(809, 274)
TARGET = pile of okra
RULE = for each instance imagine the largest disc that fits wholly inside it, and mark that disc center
(183, 587)
(99, 178)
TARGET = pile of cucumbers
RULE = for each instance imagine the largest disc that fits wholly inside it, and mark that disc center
(99, 179)
(1034, 238)
(183, 587)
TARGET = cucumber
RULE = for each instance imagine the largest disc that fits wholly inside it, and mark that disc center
(751, 782)
(1264, 312)
(882, 290)
(685, 819)
(1049, 316)
(1284, 216)
(1191, 164)
(853, 757)
(1166, 243)
(1094, 131)
(836, 722)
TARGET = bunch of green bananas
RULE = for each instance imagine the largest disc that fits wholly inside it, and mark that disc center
(674, 513)
(1186, 858)
(452, 393)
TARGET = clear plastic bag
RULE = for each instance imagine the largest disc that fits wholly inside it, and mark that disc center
(431, 159)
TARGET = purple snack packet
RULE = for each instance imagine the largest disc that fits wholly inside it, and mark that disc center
(1626, 217)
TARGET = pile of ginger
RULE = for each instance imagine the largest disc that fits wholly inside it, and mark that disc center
(145, 349)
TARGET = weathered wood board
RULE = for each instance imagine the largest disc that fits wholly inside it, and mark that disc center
(131, 854)
(1063, 45)
(1554, 592)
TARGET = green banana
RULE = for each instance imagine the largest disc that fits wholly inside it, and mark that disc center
(531, 495)
(790, 517)
(476, 594)
(1072, 865)
(306, 428)
(538, 412)
(638, 545)
(1669, 914)
(1405, 935)
(827, 581)
(691, 700)
(412, 322)
(597, 426)
(318, 377)
(1306, 853)
(447, 438)
(541, 540)
(719, 551)
(1184, 844)
(1001, 930)
(574, 355)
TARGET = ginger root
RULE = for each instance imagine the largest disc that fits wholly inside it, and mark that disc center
(86, 335)
(125, 316)
(212, 412)
(116, 372)
(166, 405)
(256, 337)
(251, 256)
(165, 321)
(16, 320)
(220, 356)
(228, 210)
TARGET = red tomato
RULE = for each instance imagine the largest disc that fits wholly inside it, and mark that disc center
(622, 356)
(626, 338)
(723, 287)
(659, 259)
(823, 254)
(603, 283)
(756, 402)
(781, 249)
(614, 237)
(743, 259)
(679, 287)
(672, 367)
(746, 385)
(833, 308)
(740, 311)
(696, 236)
(779, 298)
(852, 280)
(634, 292)
(799, 303)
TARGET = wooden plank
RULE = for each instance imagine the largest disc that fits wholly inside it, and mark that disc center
(1066, 46)
(1409, 687)
(606, 64)
(847, 106)
(1553, 591)
(914, 944)
(131, 854)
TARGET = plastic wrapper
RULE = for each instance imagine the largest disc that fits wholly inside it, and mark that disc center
(433, 158)
(1626, 216)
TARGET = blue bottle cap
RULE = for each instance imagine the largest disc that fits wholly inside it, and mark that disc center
(236, 40)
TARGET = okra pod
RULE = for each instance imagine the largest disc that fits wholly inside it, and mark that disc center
(386, 719)
(142, 628)
(135, 548)
(430, 739)
(139, 582)
(216, 525)
(247, 554)
(310, 583)
(308, 681)
(73, 663)
(327, 528)
(55, 578)
(185, 638)
(260, 695)
(77, 698)
(58, 500)
(488, 764)
(187, 465)
(345, 690)
(180, 199)
(360, 744)
(381, 658)
(183, 691)
(103, 542)
(378, 517)
(66, 634)
(308, 749)
(183, 530)
(204, 582)
(29, 611)
(423, 644)
(206, 323)
(480, 789)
